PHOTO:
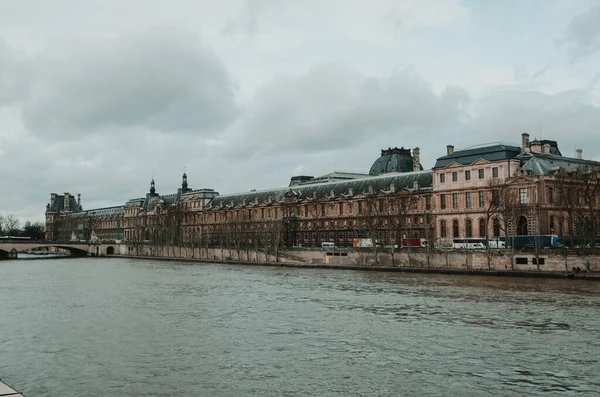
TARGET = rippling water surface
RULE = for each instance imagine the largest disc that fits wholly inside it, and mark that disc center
(117, 327)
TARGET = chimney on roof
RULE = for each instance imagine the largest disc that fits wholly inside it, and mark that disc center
(579, 153)
(546, 148)
(66, 202)
(525, 142)
(536, 146)
(449, 149)
(416, 159)
(79, 200)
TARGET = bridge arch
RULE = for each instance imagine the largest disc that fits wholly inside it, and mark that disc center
(74, 251)
(110, 250)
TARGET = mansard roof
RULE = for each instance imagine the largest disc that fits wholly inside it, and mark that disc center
(545, 164)
(99, 212)
(491, 153)
(59, 204)
(404, 180)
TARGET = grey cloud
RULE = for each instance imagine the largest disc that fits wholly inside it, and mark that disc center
(583, 33)
(165, 81)
(332, 108)
(247, 19)
(14, 75)
(569, 117)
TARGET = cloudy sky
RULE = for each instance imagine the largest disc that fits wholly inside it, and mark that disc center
(98, 97)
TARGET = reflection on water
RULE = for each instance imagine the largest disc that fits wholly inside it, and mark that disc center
(97, 327)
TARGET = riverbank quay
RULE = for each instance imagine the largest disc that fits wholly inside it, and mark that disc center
(6, 390)
(591, 276)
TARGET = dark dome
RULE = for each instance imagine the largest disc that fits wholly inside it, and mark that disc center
(393, 160)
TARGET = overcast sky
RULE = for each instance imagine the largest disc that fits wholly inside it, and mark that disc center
(98, 97)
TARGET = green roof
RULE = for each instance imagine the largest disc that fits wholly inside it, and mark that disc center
(378, 183)
(393, 160)
(544, 164)
(469, 156)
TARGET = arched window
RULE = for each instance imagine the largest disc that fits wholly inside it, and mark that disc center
(455, 228)
(468, 228)
(443, 231)
(522, 226)
(482, 228)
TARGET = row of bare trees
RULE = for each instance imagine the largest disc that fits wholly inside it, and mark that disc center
(10, 225)
(569, 200)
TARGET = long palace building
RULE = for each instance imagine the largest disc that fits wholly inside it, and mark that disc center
(489, 191)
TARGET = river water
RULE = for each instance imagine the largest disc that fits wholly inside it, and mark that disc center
(120, 327)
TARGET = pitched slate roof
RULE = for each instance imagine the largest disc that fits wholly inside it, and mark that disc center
(99, 212)
(496, 152)
(59, 204)
(383, 182)
(544, 164)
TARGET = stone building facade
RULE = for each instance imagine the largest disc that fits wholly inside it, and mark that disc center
(506, 190)
(392, 202)
(487, 192)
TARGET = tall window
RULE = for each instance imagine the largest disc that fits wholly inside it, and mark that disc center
(454, 200)
(495, 197)
(360, 207)
(443, 231)
(481, 199)
(495, 172)
(442, 201)
(523, 195)
(468, 228)
(468, 199)
(455, 228)
(561, 225)
(262, 213)
(467, 175)
(550, 195)
(381, 206)
(454, 176)
(427, 202)
(442, 178)
(551, 223)
(481, 173)
(322, 209)
(496, 227)
(482, 229)
(341, 205)
(306, 211)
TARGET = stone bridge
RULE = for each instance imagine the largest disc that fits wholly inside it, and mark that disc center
(8, 249)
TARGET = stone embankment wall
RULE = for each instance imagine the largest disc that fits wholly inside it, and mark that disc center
(165, 251)
(495, 260)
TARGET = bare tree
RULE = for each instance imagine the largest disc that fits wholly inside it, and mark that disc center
(11, 225)
(579, 193)
(373, 209)
(511, 210)
(496, 197)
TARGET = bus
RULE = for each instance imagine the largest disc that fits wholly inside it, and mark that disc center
(477, 243)
(533, 241)
(14, 238)
(328, 245)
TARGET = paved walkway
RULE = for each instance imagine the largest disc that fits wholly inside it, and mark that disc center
(7, 391)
